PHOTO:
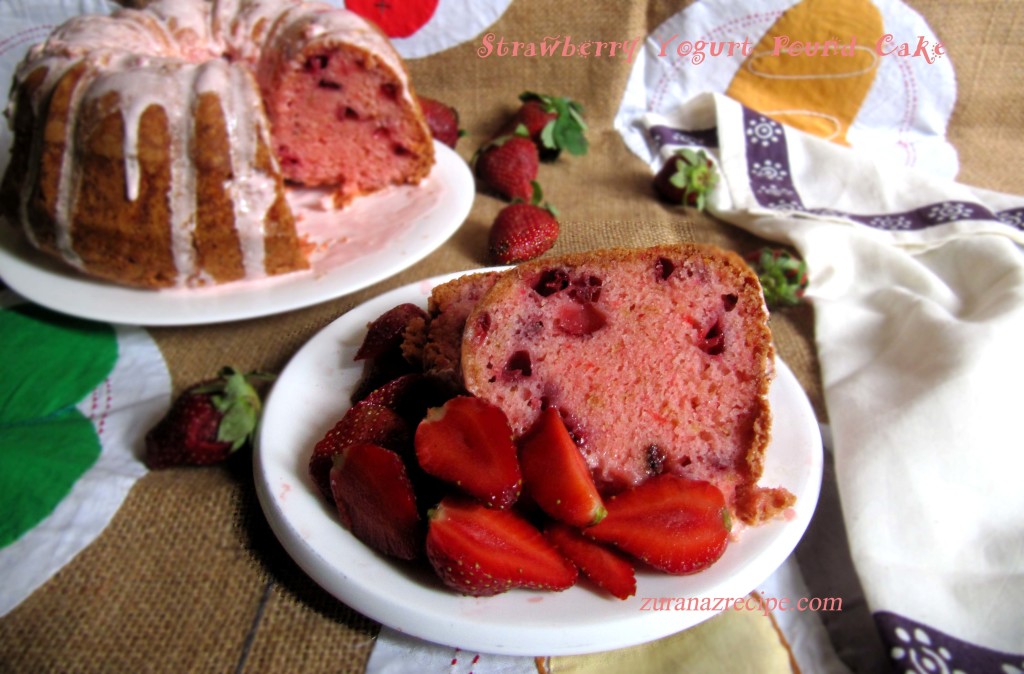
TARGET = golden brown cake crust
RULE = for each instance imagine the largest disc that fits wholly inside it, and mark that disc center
(449, 305)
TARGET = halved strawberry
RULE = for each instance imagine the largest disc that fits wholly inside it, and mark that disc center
(384, 350)
(481, 551)
(411, 395)
(468, 442)
(556, 474)
(363, 422)
(375, 500)
(604, 566)
(672, 523)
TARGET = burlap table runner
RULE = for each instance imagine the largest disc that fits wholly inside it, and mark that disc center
(188, 576)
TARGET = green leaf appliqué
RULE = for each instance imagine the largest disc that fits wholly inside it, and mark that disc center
(51, 363)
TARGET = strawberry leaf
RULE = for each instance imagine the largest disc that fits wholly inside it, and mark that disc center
(783, 276)
(567, 131)
(240, 404)
(695, 175)
(547, 135)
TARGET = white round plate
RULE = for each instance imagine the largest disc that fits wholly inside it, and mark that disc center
(391, 230)
(311, 395)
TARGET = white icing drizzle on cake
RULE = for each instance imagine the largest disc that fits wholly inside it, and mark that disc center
(167, 56)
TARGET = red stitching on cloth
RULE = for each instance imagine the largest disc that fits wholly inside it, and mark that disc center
(742, 22)
(24, 35)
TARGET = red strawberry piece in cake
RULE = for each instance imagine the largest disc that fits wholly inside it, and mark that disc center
(675, 525)
(659, 360)
(607, 568)
(482, 552)
(556, 475)
(467, 442)
(375, 500)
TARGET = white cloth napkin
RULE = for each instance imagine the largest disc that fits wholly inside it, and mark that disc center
(918, 288)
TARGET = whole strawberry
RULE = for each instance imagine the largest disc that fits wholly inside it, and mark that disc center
(553, 123)
(206, 423)
(686, 178)
(507, 167)
(522, 232)
(783, 276)
(442, 119)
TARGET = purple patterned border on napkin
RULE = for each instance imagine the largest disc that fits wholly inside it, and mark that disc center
(771, 180)
(914, 647)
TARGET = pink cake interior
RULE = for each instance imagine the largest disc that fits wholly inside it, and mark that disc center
(337, 121)
(656, 365)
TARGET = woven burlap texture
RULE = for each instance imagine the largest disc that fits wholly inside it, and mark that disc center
(188, 576)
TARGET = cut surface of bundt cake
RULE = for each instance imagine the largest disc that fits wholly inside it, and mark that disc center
(342, 113)
(143, 152)
(659, 360)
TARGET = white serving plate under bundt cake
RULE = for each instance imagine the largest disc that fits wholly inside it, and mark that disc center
(153, 147)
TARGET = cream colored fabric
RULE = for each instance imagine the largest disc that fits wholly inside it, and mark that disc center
(188, 576)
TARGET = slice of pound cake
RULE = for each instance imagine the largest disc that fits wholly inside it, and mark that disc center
(659, 360)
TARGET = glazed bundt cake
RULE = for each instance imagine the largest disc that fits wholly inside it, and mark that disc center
(152, 147)
(659, 360)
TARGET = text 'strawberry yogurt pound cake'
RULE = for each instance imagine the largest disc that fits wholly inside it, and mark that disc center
(659, 361)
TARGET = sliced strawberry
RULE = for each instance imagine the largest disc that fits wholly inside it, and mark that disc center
(481, 551)
(363, 422)
(556, 474)
(375, 500)
(411, 395)
(385, 351)
(672, 523)
(468, 443)
(387, 331)
(604, 566)
(379, 371)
